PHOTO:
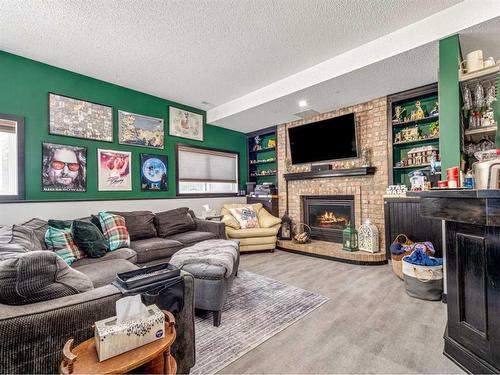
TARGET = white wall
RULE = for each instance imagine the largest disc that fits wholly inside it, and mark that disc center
(11, 213)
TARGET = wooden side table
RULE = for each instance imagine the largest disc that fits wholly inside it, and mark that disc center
(152, 358)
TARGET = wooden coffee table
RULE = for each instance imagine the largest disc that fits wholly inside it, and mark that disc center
(152, 358)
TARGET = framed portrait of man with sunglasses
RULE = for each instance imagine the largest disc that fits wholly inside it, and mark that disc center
(64, 167)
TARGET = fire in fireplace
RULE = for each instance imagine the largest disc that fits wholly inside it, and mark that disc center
(328, 215)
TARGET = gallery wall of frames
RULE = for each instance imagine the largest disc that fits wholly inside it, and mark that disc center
(89, 139)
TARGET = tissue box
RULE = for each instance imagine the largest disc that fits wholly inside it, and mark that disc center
(112, 339)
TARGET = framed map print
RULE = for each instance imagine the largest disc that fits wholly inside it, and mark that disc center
(185, 124)
(139, 130)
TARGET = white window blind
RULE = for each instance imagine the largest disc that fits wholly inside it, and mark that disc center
(206, 171)
(8, 157)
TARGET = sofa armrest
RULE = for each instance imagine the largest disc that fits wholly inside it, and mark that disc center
(266, 220)
(216, 227)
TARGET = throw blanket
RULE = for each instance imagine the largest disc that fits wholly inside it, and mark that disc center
(223, 253)
(420, 258)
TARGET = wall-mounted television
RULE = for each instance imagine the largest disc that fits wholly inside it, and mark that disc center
(331, 139)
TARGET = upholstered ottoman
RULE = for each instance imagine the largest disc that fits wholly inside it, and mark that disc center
(213, 264)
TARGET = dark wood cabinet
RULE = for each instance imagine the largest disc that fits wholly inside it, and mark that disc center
(403, 216)
(270, 204)
(472, 337)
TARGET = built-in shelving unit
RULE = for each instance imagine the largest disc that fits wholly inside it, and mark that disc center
(262, 165)
(412, 129)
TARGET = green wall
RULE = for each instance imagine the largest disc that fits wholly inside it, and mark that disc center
(449, 103)
(24, 87)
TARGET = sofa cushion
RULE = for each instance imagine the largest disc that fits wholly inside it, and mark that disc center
(62, 243)
(154, 248)
(123, 253)
(18, 238)
(104, 272)
(89, 239)
(38, 276)
(139, 224)
(174, 221)
(252, 232)
(191, 237)
(39, 227)
(60, 224)
(230, 221)
(115, 230)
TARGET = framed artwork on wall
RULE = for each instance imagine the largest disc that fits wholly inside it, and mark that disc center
(185, 124)
(154, 172)
(77, 118)
(139, 130)
(114, 170)
(64, 167)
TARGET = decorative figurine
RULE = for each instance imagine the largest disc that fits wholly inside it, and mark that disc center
(271, 143)
(434, 130)
(435, 110)
(398, 112)
(257, 146)
(419, 114)
(413, 116)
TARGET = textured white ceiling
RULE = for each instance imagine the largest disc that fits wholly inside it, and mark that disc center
(192, 51)
(485, 36)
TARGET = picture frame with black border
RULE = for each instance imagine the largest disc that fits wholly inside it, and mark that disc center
(153, 172)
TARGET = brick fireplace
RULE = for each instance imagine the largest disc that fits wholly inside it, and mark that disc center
(366, 191)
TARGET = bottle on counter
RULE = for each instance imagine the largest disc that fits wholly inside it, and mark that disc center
(469, 180)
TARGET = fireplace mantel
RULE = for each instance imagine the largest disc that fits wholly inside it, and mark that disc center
(348, 172)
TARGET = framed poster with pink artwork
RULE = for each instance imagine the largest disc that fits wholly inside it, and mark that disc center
(114, 170)
(185, 124)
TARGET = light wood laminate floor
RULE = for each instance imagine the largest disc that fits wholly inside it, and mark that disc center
(370, 324)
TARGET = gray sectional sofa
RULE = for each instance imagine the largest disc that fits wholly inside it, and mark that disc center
(33, 334)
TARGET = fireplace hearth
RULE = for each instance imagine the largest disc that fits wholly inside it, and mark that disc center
(328, 215)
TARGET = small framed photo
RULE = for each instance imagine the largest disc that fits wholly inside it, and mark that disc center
(154, 172)
(114, 170)
(78, 118)
(139, 130)
(185, 124)
(64, 167)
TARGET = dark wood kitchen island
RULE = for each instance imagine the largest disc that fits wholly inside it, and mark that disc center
(472, 336)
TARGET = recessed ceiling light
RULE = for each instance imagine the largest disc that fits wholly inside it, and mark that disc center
(302, 103)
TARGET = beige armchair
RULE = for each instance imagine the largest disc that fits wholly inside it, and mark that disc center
(251, 239)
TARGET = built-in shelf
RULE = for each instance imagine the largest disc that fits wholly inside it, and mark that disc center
(415, 141)
(479, 74)
(413, 166)
(348, 172)
(263, 175)
(263, 149)
(414, 122)
(263, 162)
(481, 130)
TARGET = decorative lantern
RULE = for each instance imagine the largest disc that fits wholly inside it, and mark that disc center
(368, 237)
(286, 227)
(350, 238)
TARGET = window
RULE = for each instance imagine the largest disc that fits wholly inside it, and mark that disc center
(11, 157)
(202, 171)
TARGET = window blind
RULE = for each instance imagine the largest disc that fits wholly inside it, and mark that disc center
(201, 165)
(7, 126)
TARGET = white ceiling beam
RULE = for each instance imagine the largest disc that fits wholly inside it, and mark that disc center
(440, 25)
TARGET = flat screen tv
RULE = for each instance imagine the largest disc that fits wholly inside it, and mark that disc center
(330, 139)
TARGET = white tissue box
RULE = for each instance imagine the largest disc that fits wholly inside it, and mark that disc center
(112, 339)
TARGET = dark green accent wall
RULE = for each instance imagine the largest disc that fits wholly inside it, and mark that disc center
(24, 87)
(449, 103)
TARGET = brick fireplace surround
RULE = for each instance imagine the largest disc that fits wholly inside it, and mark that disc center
(368, 191)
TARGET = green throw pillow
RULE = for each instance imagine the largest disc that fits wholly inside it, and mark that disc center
(89, 239)
(62, 243)
(60, 224)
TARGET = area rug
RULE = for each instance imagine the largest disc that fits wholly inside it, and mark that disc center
(256, 309)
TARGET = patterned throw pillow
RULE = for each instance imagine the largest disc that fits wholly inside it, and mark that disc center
(61, 242)
(246, 216)
(115, 230)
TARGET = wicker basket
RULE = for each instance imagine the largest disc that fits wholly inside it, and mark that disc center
(304, 231)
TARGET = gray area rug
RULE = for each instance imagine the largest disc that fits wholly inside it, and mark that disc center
(256, 309)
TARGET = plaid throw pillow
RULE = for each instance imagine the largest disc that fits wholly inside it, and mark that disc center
(115, 230)
(246, 216)
(61, 242)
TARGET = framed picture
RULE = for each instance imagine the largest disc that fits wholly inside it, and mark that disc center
(81, 119)
(185, 124)
(64, 167)
(139, 130)
(114, 170)
(154, 172)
